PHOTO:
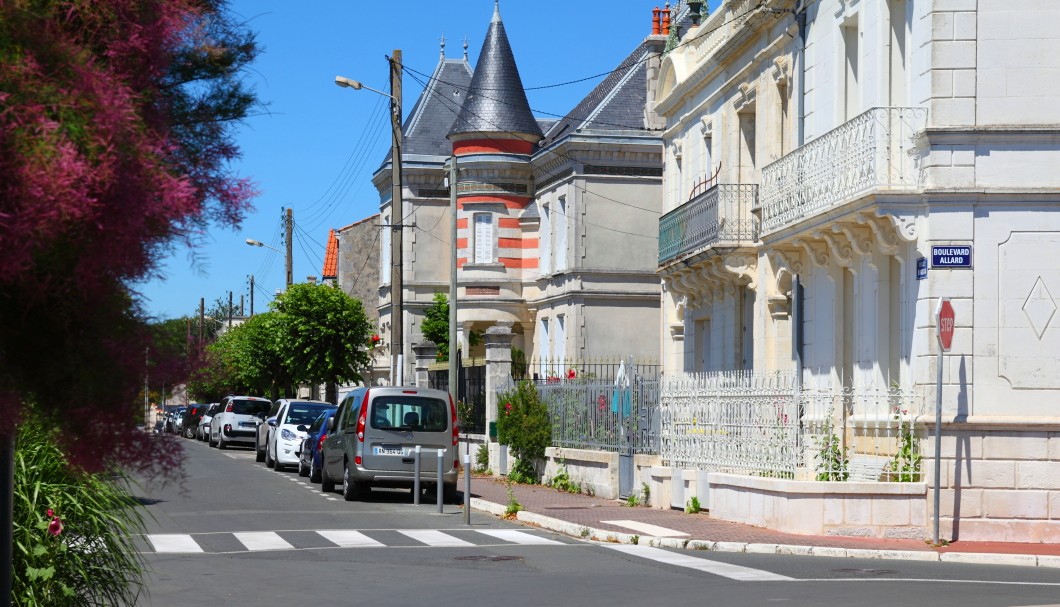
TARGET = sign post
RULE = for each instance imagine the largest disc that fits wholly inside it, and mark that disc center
(944, 323)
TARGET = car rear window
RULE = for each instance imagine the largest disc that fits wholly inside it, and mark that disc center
(415, 413)
(320, 420)
(305, 413)
(249, 407)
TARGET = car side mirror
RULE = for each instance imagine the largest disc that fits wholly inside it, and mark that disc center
(331, 424)
(302, 428)
(272, 422)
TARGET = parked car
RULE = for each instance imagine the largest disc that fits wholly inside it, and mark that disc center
(288, 429)
(190, 419)
(203, 431)
(174, 418)
(373, 436)
(261, 438)
(309, 455)
(237, 419)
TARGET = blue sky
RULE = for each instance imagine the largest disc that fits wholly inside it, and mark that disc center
(318, 145)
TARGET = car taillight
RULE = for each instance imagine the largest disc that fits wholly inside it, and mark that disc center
(228, 428)
(228, 408)
(362, 418)
(320, 443)
(456, 428)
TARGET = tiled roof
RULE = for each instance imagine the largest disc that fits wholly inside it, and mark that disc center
(496, 102)
(617, 103)
(331, 257)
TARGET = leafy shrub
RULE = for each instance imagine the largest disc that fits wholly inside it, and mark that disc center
(523, 425)
(482, 458)
(72, 530)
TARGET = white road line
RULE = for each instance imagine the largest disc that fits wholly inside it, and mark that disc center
(519, 537)
(349, 539)
(173, 542)
(262, 540)
(433, 538)
(736, 572)
(647, 528)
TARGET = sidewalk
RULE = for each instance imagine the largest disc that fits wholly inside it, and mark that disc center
(595, 518)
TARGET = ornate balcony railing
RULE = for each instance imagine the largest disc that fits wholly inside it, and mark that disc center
(720, 216)
(875, 150)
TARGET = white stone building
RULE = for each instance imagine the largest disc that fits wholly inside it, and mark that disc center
(809, 174)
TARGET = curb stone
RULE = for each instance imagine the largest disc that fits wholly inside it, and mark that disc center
(585, 532)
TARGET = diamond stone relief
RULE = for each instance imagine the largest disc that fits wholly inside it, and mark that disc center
(1039, 307)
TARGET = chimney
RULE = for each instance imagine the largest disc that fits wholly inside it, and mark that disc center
(311, 280)
(655, 16)
(666, 20)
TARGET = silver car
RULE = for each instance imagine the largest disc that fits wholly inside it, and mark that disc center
(373, 438)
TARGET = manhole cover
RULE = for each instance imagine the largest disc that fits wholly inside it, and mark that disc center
(866, 571)
(482, 557)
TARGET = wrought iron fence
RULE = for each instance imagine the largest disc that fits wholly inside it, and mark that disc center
(470, 395)
(762, 424)
(876, 149)
(602, 415)
(719, 216)
(545, 370)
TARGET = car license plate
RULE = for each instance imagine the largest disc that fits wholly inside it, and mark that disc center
(246, 424)
(388, 451)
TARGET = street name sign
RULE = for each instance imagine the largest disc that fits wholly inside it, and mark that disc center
(921, 268)
(951, 256)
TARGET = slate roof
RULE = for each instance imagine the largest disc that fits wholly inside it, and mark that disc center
(496, 101)
(617, 103)
(331, 257)
(436, 109)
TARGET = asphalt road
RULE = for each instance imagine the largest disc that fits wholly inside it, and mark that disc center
(238, 533)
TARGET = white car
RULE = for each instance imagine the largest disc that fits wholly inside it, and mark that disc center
(288, 430)
(203, 431)
(237, 419)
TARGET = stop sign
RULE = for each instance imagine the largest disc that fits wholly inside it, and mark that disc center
(944, 321)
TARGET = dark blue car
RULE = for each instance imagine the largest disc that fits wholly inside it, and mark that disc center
(309, 457)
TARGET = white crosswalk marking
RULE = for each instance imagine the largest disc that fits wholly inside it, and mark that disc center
(647, 528)
(519, 537)
(736, 572)
(173, 542)
(434, 538)
(263, 540)
(349, 539)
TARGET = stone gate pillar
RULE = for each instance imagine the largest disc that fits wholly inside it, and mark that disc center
(498, 339)
(425, 352)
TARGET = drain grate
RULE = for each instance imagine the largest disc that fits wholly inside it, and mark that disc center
(483, 557)
(866, 571)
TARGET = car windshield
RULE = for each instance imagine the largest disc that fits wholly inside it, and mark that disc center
(410, 413)
(250, 407)
(305, 413)
(320, 421)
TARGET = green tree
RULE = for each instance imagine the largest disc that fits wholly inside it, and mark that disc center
(324, 335)
(523, 425)
(435, 325)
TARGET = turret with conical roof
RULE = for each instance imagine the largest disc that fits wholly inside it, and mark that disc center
(496, 101)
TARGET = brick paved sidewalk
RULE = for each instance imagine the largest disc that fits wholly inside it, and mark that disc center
(592, 512)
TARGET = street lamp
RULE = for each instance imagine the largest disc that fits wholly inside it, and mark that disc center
(288, 254)
(397, 215)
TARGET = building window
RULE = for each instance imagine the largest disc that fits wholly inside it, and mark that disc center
(561, 234)
(543, 343)
(851, 102)
(561, 340)
(483, 238)
(545, 240)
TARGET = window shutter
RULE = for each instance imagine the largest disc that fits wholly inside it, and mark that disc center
(483, 238)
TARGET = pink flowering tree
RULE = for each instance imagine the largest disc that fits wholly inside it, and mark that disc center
(116, 121)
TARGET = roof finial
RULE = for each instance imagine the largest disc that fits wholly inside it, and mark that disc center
(443, 46)
(496, 11)
(465, 48)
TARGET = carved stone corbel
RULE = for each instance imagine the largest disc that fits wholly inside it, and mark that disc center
(781, 70)
(842, 254)
(904, 227)
(744, 266)
(886, 238)
(859, 238)
(813, 252)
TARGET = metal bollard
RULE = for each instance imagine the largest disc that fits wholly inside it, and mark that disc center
(467, 488)
(440, 486)
(416, 479)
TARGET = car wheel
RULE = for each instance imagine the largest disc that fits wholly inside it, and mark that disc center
(211, 441)
(221, 444)
(189, 433)
(449, 494)
(351, 489)
(303, 470)
(259, 454)
(269, 462)
(314, 471)
(326, 484)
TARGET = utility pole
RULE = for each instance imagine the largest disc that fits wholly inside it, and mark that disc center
(230, 309)
(252, 295)
(242, 308)
(289, 225)
(397, 216)
(202, 319)
(453, 345)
